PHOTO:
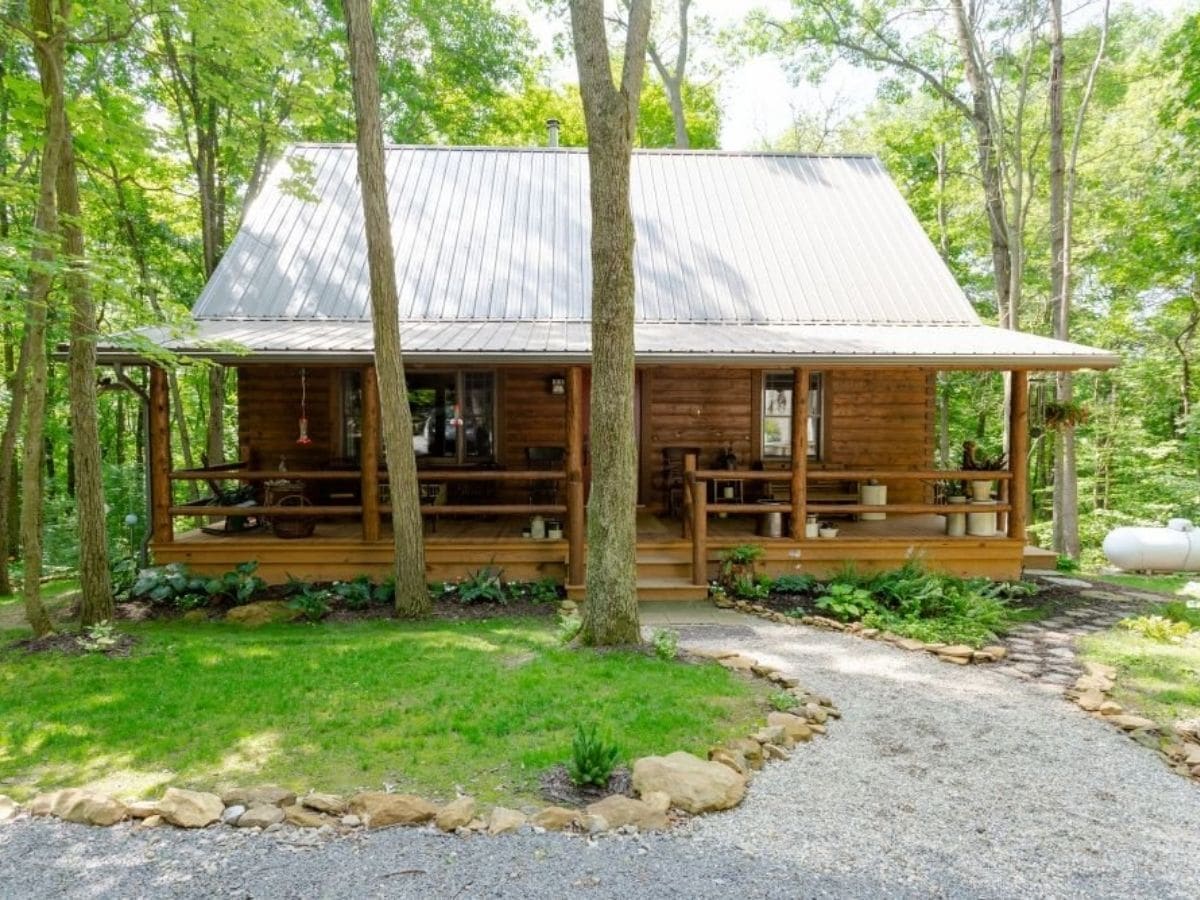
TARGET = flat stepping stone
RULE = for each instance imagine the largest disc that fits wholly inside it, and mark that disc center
(1063, 581)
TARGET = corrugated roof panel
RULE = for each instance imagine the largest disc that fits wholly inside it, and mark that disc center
(504, 234)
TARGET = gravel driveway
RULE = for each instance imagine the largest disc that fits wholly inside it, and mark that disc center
(938, 781)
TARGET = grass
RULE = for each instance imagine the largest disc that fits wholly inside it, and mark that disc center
(484, 706)
(1158, 680)
(55, 595)
(1160, 584)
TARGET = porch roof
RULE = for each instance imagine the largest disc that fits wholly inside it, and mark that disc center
(828, 346)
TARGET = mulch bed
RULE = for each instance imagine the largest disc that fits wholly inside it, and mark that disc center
(447, 610)
(557, 787)
(67, 643)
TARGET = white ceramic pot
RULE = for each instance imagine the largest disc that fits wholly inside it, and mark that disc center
(828, 532)
(956, 522)
(981, 524)
(981, 490)
(873, 495)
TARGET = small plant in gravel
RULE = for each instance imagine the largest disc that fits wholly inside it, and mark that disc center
(782, 701)
(592, 757)
(312, 602)
(1157, 628)
(99, 638)
(666, 643)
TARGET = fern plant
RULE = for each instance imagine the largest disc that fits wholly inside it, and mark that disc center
(592, 758)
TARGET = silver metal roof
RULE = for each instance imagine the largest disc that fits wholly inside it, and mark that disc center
(828, 346)
(502, 234)
(739, 257)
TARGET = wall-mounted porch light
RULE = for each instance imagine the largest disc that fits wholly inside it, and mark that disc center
(558, 385)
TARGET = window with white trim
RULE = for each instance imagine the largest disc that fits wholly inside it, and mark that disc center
(777, 416)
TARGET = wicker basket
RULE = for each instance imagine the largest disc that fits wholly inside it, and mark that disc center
(289, 527)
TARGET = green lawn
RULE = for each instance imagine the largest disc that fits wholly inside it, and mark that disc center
(1161, 584)
(485, 706)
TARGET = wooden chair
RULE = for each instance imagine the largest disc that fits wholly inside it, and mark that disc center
(670, 479)
(544, 459)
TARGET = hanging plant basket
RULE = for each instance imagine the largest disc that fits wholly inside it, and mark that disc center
(1058, 416)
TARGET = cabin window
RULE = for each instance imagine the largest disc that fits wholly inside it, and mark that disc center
(453, 413)
(777, 416)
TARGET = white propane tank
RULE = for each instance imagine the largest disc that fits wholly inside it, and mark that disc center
(1175, 548)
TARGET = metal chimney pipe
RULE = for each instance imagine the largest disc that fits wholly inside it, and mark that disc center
(552, 132)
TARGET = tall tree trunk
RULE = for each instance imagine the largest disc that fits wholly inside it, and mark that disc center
(94, 581)
(9, 473)
(1062, 197)
(610, 614)
(49, 49)
(412, 594)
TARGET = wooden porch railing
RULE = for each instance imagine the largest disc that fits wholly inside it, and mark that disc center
(698, 507)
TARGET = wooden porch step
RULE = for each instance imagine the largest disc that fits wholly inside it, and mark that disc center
(657, 566)
(651, 589)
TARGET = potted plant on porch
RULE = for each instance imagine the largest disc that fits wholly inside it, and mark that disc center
(974, 460)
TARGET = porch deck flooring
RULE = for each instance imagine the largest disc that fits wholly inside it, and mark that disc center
(652, 528)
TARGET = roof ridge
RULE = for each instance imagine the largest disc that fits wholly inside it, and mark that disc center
(638, 151)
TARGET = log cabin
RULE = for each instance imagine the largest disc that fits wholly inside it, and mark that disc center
(792, 318)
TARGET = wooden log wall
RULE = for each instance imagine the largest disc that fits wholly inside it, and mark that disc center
(269, 415)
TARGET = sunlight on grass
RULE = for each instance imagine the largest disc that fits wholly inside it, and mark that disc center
(1159, 680)
(1159, 584)
(485, 706)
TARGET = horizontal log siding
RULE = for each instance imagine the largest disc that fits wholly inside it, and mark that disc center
(269, 415)
(529, 416)
(708, 408)
(881, 420)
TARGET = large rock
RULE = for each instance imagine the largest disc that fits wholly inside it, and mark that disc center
(9, 808)
(795, 727)
(751, 749)
(1132, 723)
(190, 809)
(456, 814)
(303, 817)
(1188, 729)
(555, 818)
(262, 612)
(693, 784)
(326, 803)
(379, 810)
(617, 811)
(80, 806)
(267, 795)
(262, 816)
(733, 758)
(505, 821)
(142, 809)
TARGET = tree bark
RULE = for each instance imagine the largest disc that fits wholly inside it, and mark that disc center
(412, 594)
(9, 473)
(610, 614)
(49, 50)
(673, 78)
(94, 581)
(1065, 504)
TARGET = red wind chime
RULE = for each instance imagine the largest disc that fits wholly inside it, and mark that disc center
(304, 440)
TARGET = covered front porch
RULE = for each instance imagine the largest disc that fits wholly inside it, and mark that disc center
(796, 449)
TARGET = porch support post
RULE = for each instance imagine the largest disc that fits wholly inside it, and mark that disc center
(161, 527)
(1018, 454)
(799, 451)
(576, 517)
(369, 455)
(699, 491)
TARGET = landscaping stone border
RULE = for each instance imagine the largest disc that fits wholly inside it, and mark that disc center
(670, 788)
(1092, 693)
(956, 654)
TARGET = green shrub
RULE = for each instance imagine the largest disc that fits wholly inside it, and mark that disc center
(746, 588)
(481, 586)
(99, 638)
(795, 583)
(164, 585)
(238, 586)
(783, 701)
(1181, 611)
(312, 602)
(1066, 564)
(592, 758)
(357, 594)
(123, 573)
(1158, 628)
(666, 643)
(544, 590)
(737, 563)
(845, 601)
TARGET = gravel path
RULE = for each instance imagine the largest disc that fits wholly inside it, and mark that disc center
(938, 781)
